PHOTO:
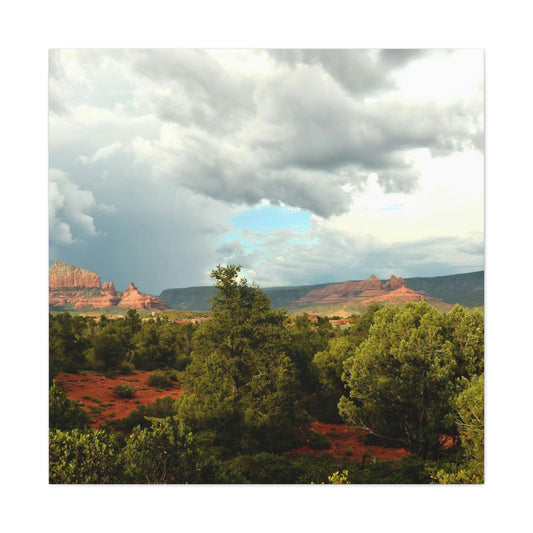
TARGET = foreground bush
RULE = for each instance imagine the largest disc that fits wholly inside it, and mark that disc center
(84, 457)
(262, 468)
(63, 412)
(166, 453)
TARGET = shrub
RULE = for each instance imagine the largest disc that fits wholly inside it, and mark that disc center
(318, 468)
(262, 468)
(159, 379)
(89, 456)
(126, 368)
(161, 408)
(182, 361)
(65, 413)
(124, 390)
(165, 452)
(317, 441)
(339, 478)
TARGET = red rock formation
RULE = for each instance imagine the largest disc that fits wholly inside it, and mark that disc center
(78, 288)
(402, 294)
(370, 290)
(109, 287)
(133, 298)
(106, 300)
(395, 283)
(78, 298)
(342, 292)
(62, 275)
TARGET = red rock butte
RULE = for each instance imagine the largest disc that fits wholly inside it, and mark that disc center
(68, 283)
(372, 288)
(62, 275)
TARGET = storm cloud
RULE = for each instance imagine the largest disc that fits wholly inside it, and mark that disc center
(152, 151)
(240, 138)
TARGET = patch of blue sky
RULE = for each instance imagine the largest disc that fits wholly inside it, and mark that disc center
(257, 230)
(269, 218)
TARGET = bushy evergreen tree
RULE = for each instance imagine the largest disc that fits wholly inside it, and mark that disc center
(244, 383)
(403, 378)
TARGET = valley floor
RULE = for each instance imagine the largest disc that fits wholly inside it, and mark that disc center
(96, 394)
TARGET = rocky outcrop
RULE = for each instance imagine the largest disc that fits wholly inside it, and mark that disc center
(370, 289)
(106, 300)
(62, 275)
(400, 295)
(109, 287)
(77, 288)
(395, 283)
(342, 292)
(136, 299)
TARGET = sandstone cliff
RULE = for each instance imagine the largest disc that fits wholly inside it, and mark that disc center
(77, 288)
(62, 275)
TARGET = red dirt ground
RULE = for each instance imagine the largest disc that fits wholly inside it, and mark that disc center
(347, 442)
(89, 387)
(82, 386)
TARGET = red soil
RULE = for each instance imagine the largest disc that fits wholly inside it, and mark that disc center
(349, 443)
(89, 387)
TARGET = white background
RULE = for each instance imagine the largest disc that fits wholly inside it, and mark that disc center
(29, 29)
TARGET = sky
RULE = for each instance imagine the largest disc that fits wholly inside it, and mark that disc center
(302, 165)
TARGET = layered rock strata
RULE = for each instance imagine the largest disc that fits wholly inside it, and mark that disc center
(372, 288)
(77, 288)
(62, 275)
(136, 299)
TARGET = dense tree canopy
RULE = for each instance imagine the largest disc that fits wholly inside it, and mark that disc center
(403, 378)
(330, 363)
(68, 343)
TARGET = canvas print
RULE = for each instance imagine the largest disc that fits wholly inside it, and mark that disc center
(266, 266)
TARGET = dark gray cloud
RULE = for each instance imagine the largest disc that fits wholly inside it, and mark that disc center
(292, 135)
(156, 236)
(154, 149)
(358, 71)
(191, 88)
(240, 140)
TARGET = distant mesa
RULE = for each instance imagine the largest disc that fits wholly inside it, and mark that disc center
(76, 288)
(372, 288)
(344, 299)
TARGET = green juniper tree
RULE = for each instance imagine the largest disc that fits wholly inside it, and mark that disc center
(403, 378)
(244, 384)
